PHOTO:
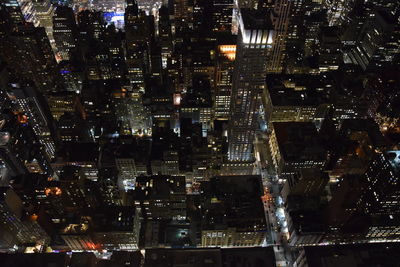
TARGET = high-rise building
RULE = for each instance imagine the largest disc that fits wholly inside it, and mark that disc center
(12, 15)
(65, 32)
(338, 11)
(165, 36)
(44, 13)
(138, 37)
(383, 181)
(252, 53)
(280, 20)
(18, 230)
(91, 25)
(226, 53)
(27, 52)
(202, 10)
(20, 150)
(182, 12)
(330, 49)
(296, 97)
(34, 106)
(222, 15)
(376, 45)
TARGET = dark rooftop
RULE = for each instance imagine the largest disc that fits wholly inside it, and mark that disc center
(298, 90)
(299, 141)
(183, 257)
(383, 254)
(233, 201)
(248, 257)
(255, 19)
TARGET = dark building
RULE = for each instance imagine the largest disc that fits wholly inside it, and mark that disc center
(211, 257)
(348, 255)
(27, 51)
(226, 217)
(375, 45)
(65, 32)
(296, 145)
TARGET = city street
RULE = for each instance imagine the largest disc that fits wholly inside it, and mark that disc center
(272, 202)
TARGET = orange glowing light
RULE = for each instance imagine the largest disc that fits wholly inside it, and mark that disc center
(228, 51)
(33, 217)
(267, 197)
(22, 118)
(52, 191)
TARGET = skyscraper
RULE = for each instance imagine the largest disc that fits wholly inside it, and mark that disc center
(34, 106)
(376, 45)
(44, 13)
(280, 20)
(253, 50)
(222, 15)
(65, 31)
(223, 77)
(27, 51)
(137, 41)
(338, 11)
(11, 15)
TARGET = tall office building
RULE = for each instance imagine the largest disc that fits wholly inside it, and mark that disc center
(17, 230)
(222, 15)
(28, 11)
(35, 108)
(383, 181)
(330, 49)
(253, 50)
(280, 20)
(182, 13)
(44, 13)
(223, 77)
(165, 36)
(11, 15)
(65, 31)
(27, 51)
(137, 41)
(338, 11)
(377, 44)
(20, 150)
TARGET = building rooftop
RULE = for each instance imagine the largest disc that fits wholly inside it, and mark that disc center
(214, 257)
(255, 26)
(255, 19)
(240, 257)
(108, 219)
(298, 90)
(233, 201)
(183, 257)
(299, 141)
(158, 187)
(383, 254)
(364, 125)
(33, 259)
